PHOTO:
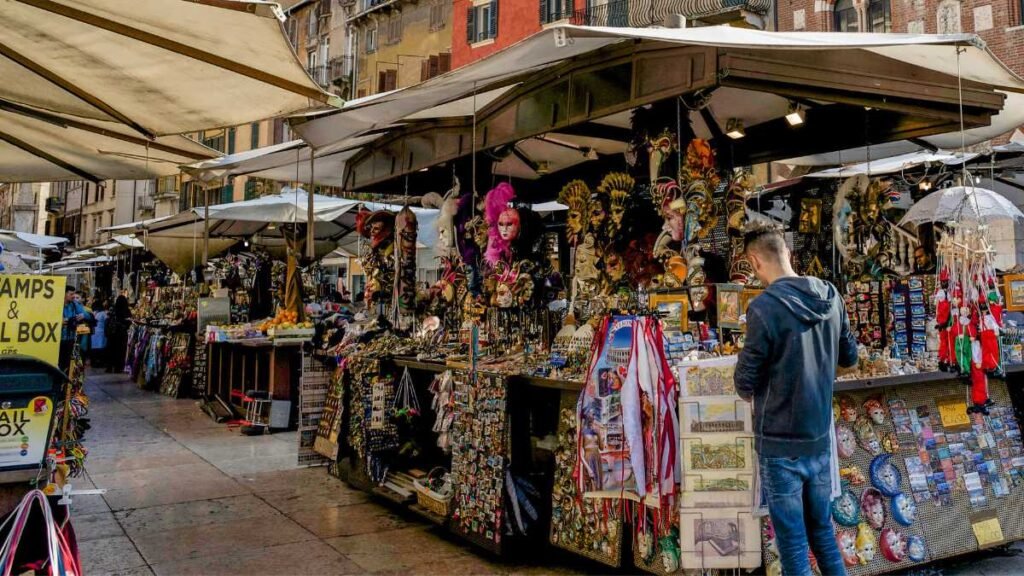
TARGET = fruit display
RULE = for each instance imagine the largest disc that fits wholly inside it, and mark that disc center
(284, 320)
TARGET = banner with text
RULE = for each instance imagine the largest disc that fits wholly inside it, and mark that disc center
(31, 312)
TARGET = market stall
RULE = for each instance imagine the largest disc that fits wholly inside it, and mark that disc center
(572, 382)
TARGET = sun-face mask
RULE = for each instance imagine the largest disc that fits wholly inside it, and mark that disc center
(576, 195)
(847, 542)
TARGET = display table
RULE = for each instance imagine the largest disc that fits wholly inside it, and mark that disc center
(262, 364)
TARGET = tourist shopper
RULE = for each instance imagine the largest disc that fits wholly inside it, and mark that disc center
(796, 334)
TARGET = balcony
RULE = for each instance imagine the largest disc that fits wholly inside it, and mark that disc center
(54, 205)
(645, 13)
(321, 75)
(340, 70)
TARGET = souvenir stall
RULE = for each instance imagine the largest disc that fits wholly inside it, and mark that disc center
(572, 382)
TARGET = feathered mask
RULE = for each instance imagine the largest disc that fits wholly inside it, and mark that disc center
(496, 208)
(576, 195)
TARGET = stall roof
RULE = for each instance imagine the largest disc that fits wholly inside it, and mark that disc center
(95, 89)
(896, 164)
(27, 242)
(564, 42)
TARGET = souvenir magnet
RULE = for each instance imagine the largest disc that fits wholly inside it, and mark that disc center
(866, 436)
(915, 548)
(845, 509)
(846, 443)
(904, 510)
(865, 543)
(894, 546)
(847, 542)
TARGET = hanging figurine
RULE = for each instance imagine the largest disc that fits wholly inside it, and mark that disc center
(406, 229)
(502, 224)
(377, 261)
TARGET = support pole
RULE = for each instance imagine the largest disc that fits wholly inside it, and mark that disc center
(310, 232)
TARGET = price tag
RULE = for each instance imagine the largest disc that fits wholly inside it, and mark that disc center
(953, 413)
(987, 529)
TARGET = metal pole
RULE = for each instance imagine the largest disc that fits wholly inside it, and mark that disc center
(206, 225)
(310, 236)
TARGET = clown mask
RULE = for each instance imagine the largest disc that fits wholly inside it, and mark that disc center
(865, 544)
(847, 542)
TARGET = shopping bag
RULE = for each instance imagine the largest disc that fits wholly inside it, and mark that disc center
(34, 539)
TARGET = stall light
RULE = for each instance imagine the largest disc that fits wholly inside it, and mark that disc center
(734, 129)
(795, 117)
(543, 167)
(924, 186)
(589, 153)
(246, 243)
(271, 227)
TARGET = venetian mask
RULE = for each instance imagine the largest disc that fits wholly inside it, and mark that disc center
(847, 542)
(508, 224)
(847, 408)
(874, 409)
(617, 186)
(904, 510)
(698, 297)
(915, 548)
(894, 547)
(885, 476)
(503, 295)
(768, 536)
(614, 266)
(865, 544)
(575, 195)
(872, 507)
(845, 441)
(890, 442)
(845, 509)
(670, 551)
(866, 436)
(598, 213)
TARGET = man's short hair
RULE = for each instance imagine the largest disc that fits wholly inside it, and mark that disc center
(767, 239)
(69, 288)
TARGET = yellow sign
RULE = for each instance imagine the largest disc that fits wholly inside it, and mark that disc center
(953, 412)
(31, 312)
(23, 433)
(987, 530)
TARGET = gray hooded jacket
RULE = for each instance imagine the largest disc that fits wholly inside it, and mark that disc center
(797, 331)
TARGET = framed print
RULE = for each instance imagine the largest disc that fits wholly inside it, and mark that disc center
(1014, 292)
(676, 309)
(748, 295)
(726, 538)
(729, 310)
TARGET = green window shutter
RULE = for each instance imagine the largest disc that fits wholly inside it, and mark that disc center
(544, 11)
(494, 19)
(254, 140)
(470, 14)
(231, 140)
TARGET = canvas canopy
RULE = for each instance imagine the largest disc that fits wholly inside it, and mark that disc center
(29, 243)
(560, 43)
(106, 78)
(896, 164)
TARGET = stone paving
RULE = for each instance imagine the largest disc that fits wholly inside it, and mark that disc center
(188, 496)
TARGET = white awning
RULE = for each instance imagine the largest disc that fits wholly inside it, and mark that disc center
(895, 164)
(28, 243)
(935, 52)
(89, 86)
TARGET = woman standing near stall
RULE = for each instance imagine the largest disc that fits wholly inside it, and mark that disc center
(118, 321)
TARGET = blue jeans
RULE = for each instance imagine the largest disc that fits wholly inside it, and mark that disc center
(799, 502)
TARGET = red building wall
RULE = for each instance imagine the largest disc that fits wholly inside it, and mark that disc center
(517, 19)
(1005, 36)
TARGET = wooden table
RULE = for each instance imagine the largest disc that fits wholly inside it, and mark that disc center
(261, 364)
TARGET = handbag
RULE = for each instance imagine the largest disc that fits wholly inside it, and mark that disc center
(49, 548)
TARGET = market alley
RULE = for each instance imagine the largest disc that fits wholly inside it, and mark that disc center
(188, 496)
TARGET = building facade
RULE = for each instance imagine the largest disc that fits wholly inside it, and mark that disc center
(397, 43)
(998, 22)
(23, 207)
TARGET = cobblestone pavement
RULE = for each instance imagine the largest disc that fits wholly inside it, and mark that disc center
(188, 496)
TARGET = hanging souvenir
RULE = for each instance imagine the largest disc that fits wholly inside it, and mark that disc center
(872, 508)
(618, 188)
(502, 222)
(884, 475)
(847, 542)
(916, 550)
(866, 544)
(846, 509)
(377, 259)
(446, 246)
(659, 149)
(699, 165)
(739, 190)
(904, 510)
(846, 443)
(866, 437)
(875, 410)
(894, 545)
(810, 216)
(406, 229)
(576, 196)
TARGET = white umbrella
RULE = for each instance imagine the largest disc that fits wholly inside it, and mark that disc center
(962, 204)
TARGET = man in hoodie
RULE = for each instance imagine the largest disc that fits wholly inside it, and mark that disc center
(797, 331)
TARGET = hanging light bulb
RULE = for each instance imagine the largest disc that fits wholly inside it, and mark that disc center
(795, 117)
(734, 129)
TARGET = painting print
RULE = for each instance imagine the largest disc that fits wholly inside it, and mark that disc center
(712, 377)
(720, 538)
(704, 455)
(706, 415)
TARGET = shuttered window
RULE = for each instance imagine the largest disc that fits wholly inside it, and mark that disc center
(482, 22)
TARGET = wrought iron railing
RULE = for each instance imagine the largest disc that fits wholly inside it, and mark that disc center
(644, 13)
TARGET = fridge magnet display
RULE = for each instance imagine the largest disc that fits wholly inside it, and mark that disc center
(885, 476)
(846, 509)
(872, 507)
(893, 544)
